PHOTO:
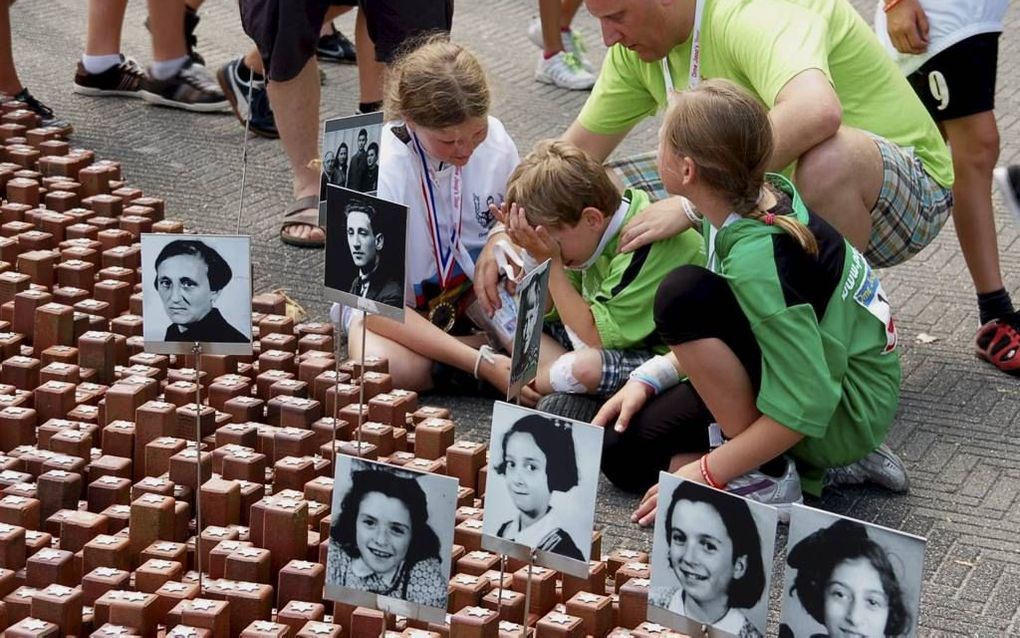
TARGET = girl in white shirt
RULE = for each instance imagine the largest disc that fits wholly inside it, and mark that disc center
(445, 158)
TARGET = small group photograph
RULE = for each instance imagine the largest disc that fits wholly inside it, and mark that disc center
(366, 252)
(197, 289)
(532, 293)
(711, 561)
(540, 493)
(390, 538)
(845, 577)
(350, 154)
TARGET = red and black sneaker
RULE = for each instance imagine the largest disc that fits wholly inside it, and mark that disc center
(998, 343)
(124, 79)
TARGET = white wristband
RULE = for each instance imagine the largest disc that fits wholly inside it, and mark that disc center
(497, 228)
(657, 373)
(484, 352)
(691, 213)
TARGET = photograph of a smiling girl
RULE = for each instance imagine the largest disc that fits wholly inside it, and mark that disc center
(390, 538)
(711, 560)
(849, 579)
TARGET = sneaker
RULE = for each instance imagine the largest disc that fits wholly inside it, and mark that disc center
(778, 492)
(881, 467)
(1008, 180)
(124, 79)
(571, 39)
(45, 113)
(191, 21)
(336, 47)
(565, 71)
(235, 87)
(191, 89)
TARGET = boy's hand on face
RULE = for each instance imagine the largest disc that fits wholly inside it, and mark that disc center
(536, 240)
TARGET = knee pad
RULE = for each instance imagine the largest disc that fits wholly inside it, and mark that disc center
(561, 375)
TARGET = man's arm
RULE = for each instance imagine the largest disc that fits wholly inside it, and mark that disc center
(807, 112)
(597, 145)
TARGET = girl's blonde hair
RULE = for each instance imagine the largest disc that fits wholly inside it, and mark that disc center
(728, 135)
(436, 85)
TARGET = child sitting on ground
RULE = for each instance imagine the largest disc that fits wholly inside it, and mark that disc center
(562, 206)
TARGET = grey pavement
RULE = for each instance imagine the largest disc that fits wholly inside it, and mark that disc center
(958, 428)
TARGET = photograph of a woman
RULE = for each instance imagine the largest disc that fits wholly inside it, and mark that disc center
(846, 578)
(192, 294)
(391, 537)
(541, 489)
(528, 335)
(709, 558)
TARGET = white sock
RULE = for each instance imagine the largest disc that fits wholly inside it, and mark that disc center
(99, 63)
(167, 68)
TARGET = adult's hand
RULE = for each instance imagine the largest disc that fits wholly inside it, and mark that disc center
(623, 405)
(644, 515)
(907, 25)
(662, 219)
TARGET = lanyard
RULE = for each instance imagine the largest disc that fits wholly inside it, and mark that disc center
(694, 73)
(445, 255)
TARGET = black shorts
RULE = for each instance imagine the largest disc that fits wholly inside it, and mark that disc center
(286, 31)
(959, 81)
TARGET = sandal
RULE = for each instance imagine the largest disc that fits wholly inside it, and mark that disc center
(998, 343)
(303, 212)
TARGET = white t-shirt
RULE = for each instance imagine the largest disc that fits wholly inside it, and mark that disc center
(949, 22)
(484, 179)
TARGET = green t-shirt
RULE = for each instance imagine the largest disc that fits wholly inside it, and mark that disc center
(762, 45)
(620, 287)
(829, 367)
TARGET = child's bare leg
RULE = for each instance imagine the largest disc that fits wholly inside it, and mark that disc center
(578, 372)
(550, 351)
(409, 369)
(721, 381)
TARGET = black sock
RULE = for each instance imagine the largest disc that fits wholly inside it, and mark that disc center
(994, 305)
(775, 468)
(243, 72)
(369, 107)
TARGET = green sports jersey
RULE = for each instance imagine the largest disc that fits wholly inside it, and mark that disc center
(620, 287)
(829, 367)
(763, 44)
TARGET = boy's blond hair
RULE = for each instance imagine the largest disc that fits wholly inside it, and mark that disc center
(556, 181)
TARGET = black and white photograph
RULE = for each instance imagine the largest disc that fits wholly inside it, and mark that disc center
(532, 293)
(350, 155)
(844, 577)
(366, 252)
(196, 289)
(540, 493)
(711, 560)
(390, 538)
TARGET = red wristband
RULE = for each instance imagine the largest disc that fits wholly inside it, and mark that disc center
(705, 474)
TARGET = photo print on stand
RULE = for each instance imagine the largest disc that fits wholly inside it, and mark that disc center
(196, 288)
(711, 560)
(540, 493)
(365, 252)
(844, 577)
(350, 156)
(391, 538)
(531, 296)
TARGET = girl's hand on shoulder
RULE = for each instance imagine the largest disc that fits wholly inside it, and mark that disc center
(660, 220)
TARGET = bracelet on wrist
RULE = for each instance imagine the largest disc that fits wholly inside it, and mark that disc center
(707, 476)
(691, 213)
(888, 6)
(485, 352)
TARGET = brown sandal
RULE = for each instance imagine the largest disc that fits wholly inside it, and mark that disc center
(303, 212)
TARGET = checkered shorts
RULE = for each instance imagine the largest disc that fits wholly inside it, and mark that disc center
(641, 172)
(616, 364)
(911, 209)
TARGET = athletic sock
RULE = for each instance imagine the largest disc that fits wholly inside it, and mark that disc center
(95, 64)
(994, 305)
(244, 72)
(775, 468)
(369, 107)
(166, 69)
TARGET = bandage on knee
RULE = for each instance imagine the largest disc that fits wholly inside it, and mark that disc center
(561, 375)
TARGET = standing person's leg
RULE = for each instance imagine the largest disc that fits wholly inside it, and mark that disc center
(103, 70)
(11, 84)
(103, 27)
(562, 62)
(371, 72)
(174, 79)
(334, 46)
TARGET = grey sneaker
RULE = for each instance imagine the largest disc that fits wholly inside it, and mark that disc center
(193, 88)
(778, 492)
(881, 467)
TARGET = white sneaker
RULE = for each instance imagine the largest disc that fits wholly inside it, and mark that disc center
(881, 467)
(565, 71)
(778, 492)
(571, 39)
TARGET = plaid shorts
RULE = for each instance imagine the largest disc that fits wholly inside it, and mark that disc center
(616, 364)
(640, 172)
(911, 209)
